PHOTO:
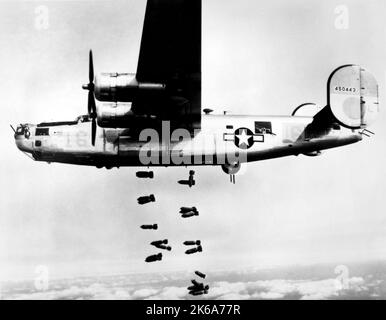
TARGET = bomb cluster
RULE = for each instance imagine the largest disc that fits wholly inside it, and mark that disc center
(192, 246)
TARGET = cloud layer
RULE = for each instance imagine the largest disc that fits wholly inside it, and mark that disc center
(355, 287)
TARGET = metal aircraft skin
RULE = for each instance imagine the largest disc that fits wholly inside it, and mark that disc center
(164, 96)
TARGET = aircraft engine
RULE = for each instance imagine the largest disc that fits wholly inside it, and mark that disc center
(123, 87)
(114, 115)
(353, 96)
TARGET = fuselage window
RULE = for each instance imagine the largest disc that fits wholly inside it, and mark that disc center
(42, 132)
(263, 127)
(230, 127)
(38, 143)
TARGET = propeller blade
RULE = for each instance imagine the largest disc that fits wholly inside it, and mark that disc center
(91, 104)
(91, 69)
(93, 131)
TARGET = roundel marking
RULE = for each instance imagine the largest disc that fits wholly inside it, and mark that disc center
(244, 138)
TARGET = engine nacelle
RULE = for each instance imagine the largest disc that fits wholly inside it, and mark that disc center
(123, 87)
(231, 169)
(114, 115)
(353, 96)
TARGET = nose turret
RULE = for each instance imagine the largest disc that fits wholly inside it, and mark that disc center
(23, 138)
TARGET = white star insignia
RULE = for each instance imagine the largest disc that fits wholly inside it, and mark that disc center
(243, 138)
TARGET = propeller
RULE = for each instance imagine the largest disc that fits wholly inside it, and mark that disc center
(90, 85)
(91, 106)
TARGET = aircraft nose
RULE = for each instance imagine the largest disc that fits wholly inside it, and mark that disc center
(23, 139)
(24, 145)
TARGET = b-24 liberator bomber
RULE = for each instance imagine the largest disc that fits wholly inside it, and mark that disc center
(155, 117)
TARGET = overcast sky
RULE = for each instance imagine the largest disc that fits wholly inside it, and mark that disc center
(259, 57)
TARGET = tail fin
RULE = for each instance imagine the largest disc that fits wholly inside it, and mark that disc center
(353, 96)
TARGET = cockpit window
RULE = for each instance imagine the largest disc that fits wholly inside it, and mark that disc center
(42, 132)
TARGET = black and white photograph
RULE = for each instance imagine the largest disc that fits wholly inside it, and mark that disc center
(198, 150)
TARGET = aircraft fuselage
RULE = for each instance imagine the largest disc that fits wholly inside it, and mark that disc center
(248, 138)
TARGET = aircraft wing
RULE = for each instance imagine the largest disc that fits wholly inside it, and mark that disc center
(171, 54)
